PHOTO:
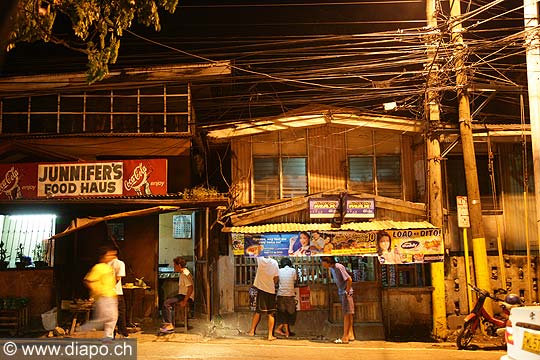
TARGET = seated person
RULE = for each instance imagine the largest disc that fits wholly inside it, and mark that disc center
(185, 295)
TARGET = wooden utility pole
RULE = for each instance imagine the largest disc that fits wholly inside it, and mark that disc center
(469, 158)
(434, 177)
(532, 48)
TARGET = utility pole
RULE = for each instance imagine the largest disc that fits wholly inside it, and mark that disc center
(469, 158)
(532, 48)
(434, 177)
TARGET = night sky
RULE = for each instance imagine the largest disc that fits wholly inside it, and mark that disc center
(296, 53)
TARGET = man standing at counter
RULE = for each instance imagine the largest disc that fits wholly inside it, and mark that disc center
(119, 268)
(185, 295)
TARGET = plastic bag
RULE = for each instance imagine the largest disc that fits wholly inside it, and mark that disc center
(49, 319)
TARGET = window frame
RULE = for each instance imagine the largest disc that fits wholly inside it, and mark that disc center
(280, 178)
(117, 111)
(376, 187)
(28, 231)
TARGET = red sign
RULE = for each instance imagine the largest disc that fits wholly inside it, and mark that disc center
(88, 179)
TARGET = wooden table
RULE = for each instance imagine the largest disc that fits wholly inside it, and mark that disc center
(77, 310)
(130, 301)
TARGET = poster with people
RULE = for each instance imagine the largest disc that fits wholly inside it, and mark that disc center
(391, 246)
(410, 246)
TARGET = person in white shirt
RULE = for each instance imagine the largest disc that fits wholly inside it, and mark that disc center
(286, 301)
(185, 296)
(266, 278)
(120, 271)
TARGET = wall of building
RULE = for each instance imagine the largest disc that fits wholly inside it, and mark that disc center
(407, 312)
(328, 148)
(517, 280)
(36, 285)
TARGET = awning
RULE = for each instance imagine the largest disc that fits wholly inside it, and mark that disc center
(81, 223)
(357, 226)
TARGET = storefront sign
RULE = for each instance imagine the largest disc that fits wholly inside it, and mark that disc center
(65, 180)
(324, 208)
(357, 208)
(392, 246)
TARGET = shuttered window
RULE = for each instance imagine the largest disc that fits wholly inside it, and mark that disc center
(388, 170)
(266, 178)
(294, 177)
(276, 178)
(389, 176)
(361, 174)
(27, 235)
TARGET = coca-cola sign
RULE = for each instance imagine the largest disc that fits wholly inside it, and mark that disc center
(10, 184)
(86, 179)
(139, 180)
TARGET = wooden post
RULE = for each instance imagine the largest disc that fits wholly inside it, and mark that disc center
(434, 176)
(469, 158)
(532, 48)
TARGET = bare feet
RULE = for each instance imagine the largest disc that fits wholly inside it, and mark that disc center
(281, 333)
(250, 333)
(272, 338)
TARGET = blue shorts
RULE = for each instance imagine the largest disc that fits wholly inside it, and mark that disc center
(347, 304)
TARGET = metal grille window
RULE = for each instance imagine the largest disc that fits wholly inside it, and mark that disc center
(155, 109)
(388, 180)
(276, 178)
(309, 270)
(26, 235)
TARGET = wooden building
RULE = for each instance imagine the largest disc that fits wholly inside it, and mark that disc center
(144, 116)
(279, 163)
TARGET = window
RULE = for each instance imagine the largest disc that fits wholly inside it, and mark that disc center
(388, 180)
(154, 109)
(276, 178)
(456, 183)
(280, 165)
(27, 235)
(410, 275)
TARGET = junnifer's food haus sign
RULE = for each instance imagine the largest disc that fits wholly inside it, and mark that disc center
(92, 179)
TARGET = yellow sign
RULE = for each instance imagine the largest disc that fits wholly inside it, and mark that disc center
(531, 342)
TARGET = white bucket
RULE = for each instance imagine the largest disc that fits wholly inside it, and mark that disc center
(49, 319)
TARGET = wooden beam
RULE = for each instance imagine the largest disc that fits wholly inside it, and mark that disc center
(269, 212)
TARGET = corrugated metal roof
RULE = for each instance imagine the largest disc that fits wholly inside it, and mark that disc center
(357, 226)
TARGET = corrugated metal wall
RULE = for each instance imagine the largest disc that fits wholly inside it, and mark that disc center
(326, 159)
(515, 209)
(241, 168)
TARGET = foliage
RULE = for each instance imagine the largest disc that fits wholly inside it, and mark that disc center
(20, 253)
(3, 252)
(200, 193)
(97, 26)
(38, 253)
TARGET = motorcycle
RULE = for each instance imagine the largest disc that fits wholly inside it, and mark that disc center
(479, 315)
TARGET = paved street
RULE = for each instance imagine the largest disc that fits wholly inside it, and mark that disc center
(182, 346)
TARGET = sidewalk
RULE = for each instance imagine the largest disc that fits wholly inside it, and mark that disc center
(203, 331)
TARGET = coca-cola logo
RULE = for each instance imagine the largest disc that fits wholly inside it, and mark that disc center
(138, 178)
(11, 180)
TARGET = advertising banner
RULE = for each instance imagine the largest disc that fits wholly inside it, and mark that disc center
(392, 246)
(410, 246)
(357, 208)
(65, 180)
(324, 208)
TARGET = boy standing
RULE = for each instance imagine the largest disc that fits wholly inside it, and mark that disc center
(345, 292)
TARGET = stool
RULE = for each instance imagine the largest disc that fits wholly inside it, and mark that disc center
(181, 312)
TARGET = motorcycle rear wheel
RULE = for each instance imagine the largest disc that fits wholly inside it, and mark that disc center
(465, 335)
